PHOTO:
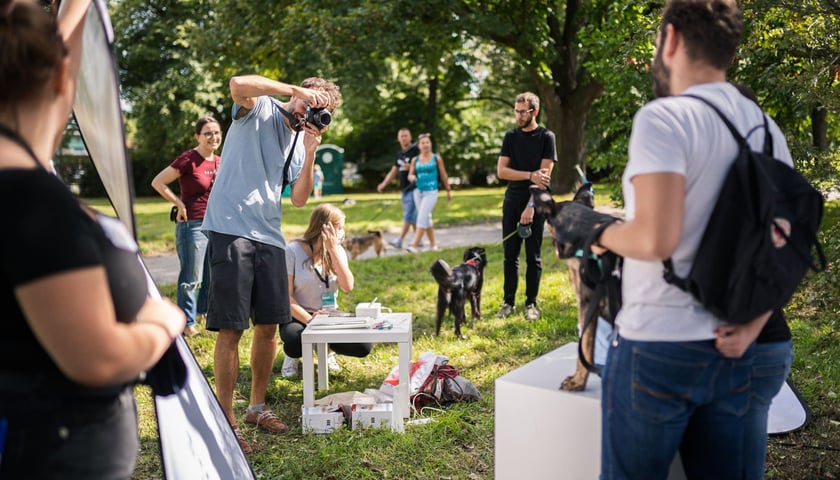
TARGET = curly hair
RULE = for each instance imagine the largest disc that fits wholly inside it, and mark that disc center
(333, 90)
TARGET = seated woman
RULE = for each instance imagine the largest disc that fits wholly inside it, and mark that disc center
(317, 266)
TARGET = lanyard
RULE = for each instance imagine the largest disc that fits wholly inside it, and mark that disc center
(326, 279)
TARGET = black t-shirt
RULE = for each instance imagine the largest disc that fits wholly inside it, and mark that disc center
(46, 231)
(776, 329)
(526, 151)
(403, 160)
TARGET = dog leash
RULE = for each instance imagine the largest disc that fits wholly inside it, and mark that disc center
(524, 231)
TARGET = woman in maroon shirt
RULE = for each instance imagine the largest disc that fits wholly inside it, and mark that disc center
(195, 171)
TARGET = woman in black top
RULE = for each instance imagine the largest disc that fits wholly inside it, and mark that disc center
(76, 326)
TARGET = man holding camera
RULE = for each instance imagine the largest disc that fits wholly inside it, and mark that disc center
(246, 247)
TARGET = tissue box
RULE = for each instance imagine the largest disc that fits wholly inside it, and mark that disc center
(371, 310)
(377, 415)
(322, 419)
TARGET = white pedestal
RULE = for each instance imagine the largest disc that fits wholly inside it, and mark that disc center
(544, 432)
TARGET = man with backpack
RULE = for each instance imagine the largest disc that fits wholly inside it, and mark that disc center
(678, 378)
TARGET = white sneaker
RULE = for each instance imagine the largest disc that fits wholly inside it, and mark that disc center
(412, 249)
(396, 243)
(332, 363)
(290, 367)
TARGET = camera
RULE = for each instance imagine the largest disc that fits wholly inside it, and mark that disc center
(319, 117)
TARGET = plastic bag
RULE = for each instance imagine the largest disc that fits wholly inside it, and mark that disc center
(420, 371)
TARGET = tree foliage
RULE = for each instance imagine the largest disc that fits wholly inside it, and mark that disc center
(453, 68)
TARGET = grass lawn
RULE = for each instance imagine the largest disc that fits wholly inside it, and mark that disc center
(458, 442)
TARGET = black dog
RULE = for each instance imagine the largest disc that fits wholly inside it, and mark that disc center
(457, 284)
(583, 289)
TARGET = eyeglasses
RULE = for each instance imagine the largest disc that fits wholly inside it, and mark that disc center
(522, 112)
(212, 134)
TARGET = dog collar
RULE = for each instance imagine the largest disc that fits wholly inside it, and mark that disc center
(471, 262)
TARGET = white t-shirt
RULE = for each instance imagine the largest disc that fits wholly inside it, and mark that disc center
(685, 136)
(308, 286)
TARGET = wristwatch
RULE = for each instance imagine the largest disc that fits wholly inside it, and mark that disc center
(531, 203)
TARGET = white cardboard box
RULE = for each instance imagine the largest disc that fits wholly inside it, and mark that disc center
(377, 415)
(321, 419)
(544, 432)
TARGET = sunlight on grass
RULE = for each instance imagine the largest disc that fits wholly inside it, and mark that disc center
(459, 443)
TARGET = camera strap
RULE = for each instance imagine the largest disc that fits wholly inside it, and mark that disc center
(297, 127)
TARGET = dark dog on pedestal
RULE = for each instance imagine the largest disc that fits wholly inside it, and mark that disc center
(581, 271)
(456, 285)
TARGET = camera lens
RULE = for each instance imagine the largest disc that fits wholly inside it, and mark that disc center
(322, 117)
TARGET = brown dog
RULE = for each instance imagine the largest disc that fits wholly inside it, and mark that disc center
(358, 245)
(545, 205)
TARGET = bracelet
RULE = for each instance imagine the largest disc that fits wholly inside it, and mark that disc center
(531, 203)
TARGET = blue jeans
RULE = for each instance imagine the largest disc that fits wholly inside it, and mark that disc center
(662, 397)
(770, 369)
(191, 245)
(409, 209)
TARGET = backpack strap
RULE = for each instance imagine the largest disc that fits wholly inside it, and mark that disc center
(669, 274)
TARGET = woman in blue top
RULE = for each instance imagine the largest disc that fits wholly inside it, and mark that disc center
(426, 169)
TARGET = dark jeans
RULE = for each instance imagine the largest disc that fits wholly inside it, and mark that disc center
(81, 439)
(512, 208)
(770, 369)
(290, 334)
(661, 397)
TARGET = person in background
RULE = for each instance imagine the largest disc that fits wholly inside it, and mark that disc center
(407, 151)
(678, 378)
(195, 171)
(426, 170)
(317, 181)
(317, 266)
(527, 158)
(248, 281)
(78, 328)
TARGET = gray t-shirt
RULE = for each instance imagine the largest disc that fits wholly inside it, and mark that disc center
(308, 286)
(245, 200)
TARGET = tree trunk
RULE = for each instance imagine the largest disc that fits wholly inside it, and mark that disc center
(819, 127)
(566, 117)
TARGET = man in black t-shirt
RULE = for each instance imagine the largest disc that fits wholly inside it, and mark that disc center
(527, 158)
(407, 151)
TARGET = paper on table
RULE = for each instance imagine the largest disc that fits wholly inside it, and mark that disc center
(324, 322)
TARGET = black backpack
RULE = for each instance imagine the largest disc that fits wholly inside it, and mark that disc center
(757, 245)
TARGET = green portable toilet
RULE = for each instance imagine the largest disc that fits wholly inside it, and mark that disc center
(331, 160)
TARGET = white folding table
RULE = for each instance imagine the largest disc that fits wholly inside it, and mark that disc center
(399, 333)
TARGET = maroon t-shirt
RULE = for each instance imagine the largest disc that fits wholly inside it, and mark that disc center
(196, 181)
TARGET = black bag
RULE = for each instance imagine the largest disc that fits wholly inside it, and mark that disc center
(173, 214)
(757, 245)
